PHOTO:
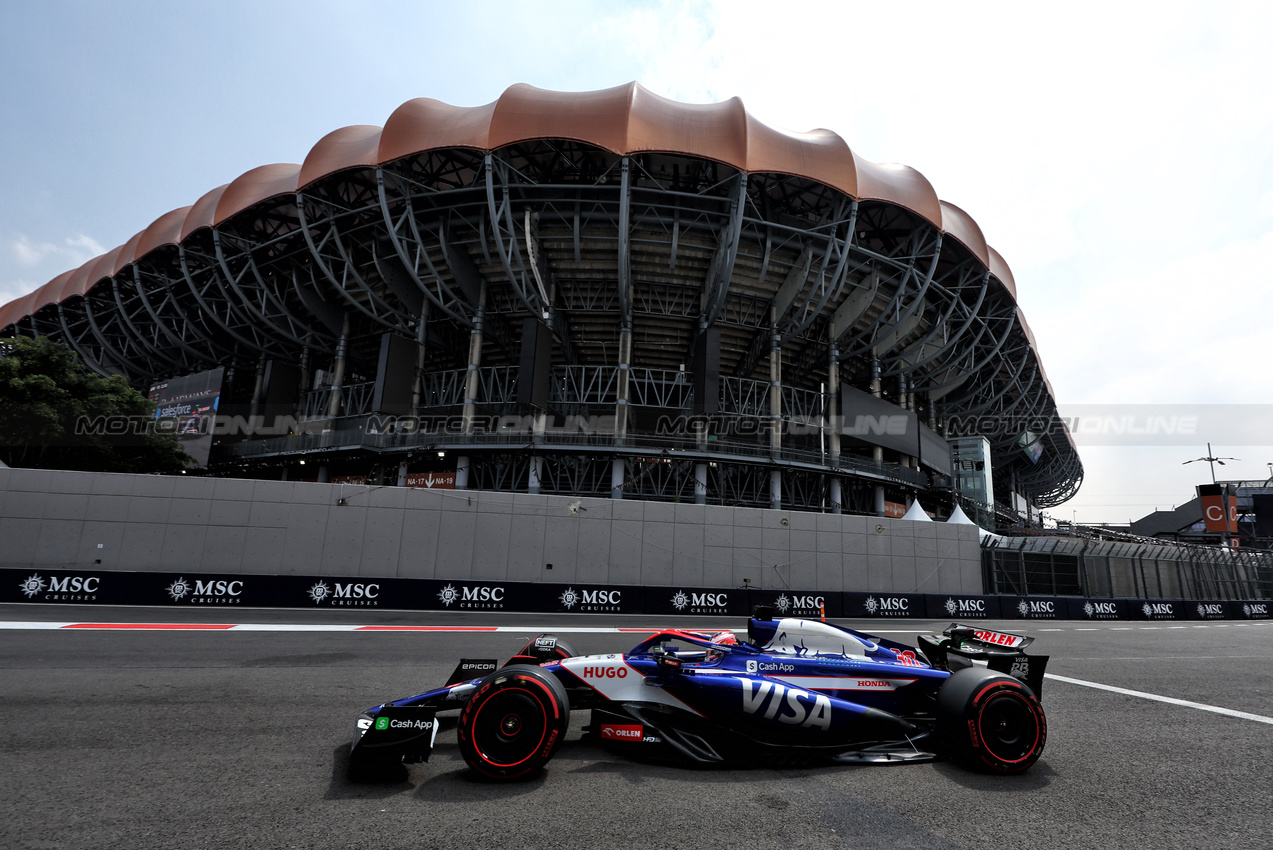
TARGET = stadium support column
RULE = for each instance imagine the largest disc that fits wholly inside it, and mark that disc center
(878, 452)
(421, 338)
(622, 383)
(832, 421)
(257, 400)
(905, 402)
(338, 376)
(303, 388)
(775, 411)
(536, 470)
(470, 388)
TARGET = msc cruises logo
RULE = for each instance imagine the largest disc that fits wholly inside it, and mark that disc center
(888, 606)
(590, 600)
(178, 589)
(33, 586)
(700, 603)
(355, 593)
(216, 592)
(483, 596)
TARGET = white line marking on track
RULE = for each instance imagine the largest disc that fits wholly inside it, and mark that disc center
(1228, 712)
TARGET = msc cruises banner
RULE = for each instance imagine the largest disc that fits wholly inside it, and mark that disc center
(89, 586)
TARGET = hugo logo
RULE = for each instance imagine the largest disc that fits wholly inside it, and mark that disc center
(605, 672)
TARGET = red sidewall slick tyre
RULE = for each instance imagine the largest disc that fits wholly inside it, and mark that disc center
(513, 723)
(992, 721)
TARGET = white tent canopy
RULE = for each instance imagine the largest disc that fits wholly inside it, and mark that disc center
(916, 513)
(958, 517)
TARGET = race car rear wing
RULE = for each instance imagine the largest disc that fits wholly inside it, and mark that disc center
(1004, 652)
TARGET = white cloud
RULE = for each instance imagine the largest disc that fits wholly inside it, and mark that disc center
(84, 247)
(14, 291)
(30, 253)
(73, 251)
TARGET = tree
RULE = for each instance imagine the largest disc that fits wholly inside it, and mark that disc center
(47, 397)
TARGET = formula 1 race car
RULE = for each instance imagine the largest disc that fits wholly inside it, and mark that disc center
(795, 692)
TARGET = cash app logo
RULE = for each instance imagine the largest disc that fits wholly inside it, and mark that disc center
(382, 723)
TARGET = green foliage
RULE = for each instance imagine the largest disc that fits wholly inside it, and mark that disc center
(45, 392)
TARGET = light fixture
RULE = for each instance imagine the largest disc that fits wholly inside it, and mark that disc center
(441, 454)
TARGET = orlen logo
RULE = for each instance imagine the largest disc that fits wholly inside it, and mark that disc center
(605, 672)
(786, 704)
(998, 638)
(616, 732)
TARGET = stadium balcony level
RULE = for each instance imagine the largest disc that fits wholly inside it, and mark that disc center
(634, 445)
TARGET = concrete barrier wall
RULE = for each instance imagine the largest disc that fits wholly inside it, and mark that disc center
(57, 519)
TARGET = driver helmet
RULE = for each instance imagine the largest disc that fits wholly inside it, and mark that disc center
(726, 638)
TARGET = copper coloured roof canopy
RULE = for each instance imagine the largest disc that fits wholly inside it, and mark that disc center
(626, 119)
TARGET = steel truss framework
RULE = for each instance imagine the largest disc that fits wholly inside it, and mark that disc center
(628, 260)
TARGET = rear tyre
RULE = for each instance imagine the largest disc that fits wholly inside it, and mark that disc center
(513, 723)
(991, 721)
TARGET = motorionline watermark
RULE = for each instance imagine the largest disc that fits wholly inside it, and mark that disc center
(1110, 425)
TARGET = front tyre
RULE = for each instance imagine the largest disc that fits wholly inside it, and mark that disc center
(513, 723)
(991, 721)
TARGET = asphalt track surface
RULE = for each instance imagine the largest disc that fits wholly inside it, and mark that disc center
(229, 738)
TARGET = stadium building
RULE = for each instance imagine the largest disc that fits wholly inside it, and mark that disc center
(601, 294)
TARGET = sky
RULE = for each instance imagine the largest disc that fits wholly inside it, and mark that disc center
(1118, 156)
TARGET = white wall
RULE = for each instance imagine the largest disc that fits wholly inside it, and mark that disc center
(56, 519)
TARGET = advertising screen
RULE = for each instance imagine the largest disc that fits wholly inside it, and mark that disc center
(189, 405)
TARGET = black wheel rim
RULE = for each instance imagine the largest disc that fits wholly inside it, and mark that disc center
(1008, 727)
(509, 727)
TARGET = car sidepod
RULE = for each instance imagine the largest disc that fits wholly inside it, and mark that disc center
(806, 704)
